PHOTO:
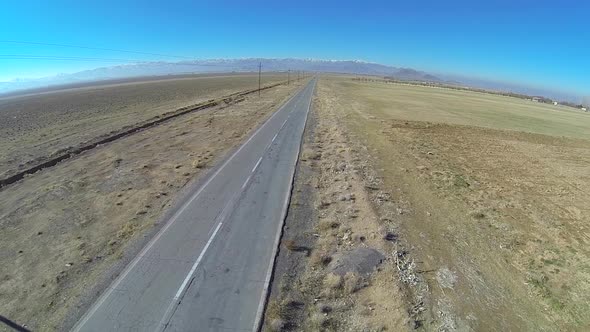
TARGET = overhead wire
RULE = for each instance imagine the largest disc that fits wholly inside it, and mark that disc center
(93, 48)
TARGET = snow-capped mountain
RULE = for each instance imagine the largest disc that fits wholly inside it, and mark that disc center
(219, 66)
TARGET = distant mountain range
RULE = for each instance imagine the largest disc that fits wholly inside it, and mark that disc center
(219, 66)
(251, 65)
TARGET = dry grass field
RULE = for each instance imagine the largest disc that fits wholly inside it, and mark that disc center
(474, 204)
(491, 201)
(36, 126)
(66, 230)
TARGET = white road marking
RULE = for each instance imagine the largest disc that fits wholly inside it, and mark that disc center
(174, 303)
(273, 139)
(259, 160)
(245, 183)
(142, 253)
(178, 295)
(194, 267)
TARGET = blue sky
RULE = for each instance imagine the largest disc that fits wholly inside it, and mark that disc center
(539, 43)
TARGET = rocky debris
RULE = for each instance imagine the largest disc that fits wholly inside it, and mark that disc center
(383, 197)
(351, 212)
(341, 167)
(60, 276)
(446, 278)
(346, 197)
(390, 236)
(406, 268)
(325, 309)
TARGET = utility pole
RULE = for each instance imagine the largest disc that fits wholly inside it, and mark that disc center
(288, 76)
(259, 73)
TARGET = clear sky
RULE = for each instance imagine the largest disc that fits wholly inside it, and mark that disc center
(539, 43)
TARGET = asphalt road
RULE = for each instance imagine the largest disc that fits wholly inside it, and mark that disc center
(209, 267)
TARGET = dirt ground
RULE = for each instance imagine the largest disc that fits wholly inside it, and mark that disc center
(66, 229)
(488, 202)
(338, 260)
(36, 126)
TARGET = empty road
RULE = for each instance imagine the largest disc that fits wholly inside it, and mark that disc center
(209, 267)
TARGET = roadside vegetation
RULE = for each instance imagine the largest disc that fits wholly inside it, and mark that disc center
(477, 201)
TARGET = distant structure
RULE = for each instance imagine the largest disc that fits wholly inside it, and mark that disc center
(555, 103)
(584, 109)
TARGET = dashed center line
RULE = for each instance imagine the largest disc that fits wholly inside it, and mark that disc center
(246, 182)
(258, 162)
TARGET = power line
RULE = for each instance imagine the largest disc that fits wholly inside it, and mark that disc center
(93, 48)
(77, 58)
(59, 57)
(259, 74)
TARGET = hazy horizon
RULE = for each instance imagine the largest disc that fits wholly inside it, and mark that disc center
(23, 84)
(528, 43)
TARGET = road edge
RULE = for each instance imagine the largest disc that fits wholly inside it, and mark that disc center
(258, 323)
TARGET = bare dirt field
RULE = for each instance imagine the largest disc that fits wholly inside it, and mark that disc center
(66, 230)
(477, 203)
(34, 127)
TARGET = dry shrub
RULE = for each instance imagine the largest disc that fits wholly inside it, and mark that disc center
(320, 322)
(352, 282)
(290, 245)
(320, 257)
(127, 230)
(277, 325)
(333, 281)
(309, 154)
(197, 163)
(326, 225)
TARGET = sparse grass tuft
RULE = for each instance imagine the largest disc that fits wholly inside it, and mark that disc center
(333, 281)
(460, 182)
(320, 258)
(352, 282)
